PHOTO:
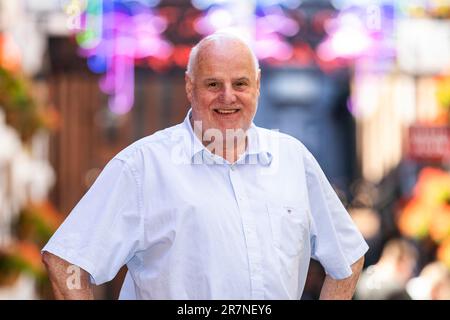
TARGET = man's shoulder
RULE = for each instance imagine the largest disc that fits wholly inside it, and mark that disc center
(158, 141)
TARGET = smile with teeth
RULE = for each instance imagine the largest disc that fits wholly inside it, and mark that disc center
(226, 111)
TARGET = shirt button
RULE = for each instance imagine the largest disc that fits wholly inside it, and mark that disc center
(233, 167)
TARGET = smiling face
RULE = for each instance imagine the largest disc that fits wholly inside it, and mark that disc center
(223, 88)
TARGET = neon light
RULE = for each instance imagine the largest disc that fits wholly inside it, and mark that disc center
(263, 21)
(114, 34)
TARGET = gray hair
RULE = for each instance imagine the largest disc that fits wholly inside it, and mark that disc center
(217, 37)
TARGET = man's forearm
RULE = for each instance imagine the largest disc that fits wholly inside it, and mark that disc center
(342, 289)
(69, 282)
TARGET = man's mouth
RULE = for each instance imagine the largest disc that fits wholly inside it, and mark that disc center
(226, 111)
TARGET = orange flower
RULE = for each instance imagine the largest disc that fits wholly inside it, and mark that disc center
(440, 223)
(28, 254)
(433, 186)
(50, 118)
(443, 252)
(47, 213)
(414, 219)
(428, 212)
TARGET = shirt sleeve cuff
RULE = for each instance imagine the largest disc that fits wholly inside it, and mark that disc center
(75, 260)
(340, 273)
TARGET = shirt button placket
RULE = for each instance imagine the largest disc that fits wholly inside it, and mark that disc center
(249, 226)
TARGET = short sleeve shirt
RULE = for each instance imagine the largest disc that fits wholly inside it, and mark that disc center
(190, 225)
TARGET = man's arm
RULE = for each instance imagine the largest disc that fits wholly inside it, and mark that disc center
(342, 289)
(69, 282)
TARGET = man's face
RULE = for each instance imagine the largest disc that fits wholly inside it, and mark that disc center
(224, 89)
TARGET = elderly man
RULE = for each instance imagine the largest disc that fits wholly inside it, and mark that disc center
(213, 208)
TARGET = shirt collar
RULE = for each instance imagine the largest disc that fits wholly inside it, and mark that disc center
(257, 145)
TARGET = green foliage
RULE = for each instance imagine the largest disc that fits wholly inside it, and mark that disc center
(21, 109)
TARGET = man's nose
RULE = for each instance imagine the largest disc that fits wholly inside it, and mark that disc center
(228, 95)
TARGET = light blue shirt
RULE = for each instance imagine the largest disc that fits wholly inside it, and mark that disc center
(190, 225)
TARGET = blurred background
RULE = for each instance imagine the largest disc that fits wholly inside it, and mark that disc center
(365, 85)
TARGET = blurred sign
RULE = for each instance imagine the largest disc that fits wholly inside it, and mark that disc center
(429, 143)
(423, 45)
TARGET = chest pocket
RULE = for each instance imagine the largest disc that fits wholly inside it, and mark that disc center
(290, 228)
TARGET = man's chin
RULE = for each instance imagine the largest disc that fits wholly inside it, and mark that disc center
(233, 129)
(215, 128)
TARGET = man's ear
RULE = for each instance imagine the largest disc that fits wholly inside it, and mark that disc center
(189, 86)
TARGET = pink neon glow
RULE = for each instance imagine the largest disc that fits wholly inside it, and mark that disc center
(107, 82)
(281, 24)
(148, 23)
(121, 103)
(123, 98)
(202, 26)
(348, 38)
(345, 43)
(276, 20)
(350, 42)
(125, 46)
(118, 39)
(273, 47)
(220, 19)
(214, 20)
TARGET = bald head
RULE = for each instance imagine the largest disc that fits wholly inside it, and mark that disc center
(219, 42)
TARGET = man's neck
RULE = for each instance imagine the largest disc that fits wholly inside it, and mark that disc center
(229, 148)
(233, 153)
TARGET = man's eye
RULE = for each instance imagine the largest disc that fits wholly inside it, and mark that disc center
(240, 84)
(212, 84)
